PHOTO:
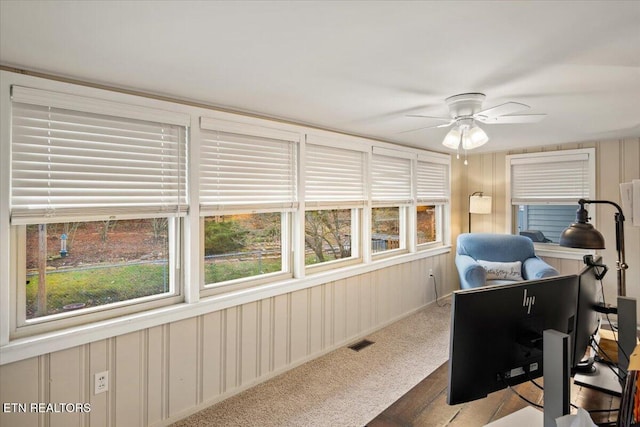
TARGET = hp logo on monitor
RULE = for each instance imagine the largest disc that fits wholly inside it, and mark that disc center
(528, 301)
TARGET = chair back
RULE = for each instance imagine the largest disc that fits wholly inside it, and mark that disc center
(495, 247)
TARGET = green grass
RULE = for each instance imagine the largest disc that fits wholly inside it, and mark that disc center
(98, 286)
(221, 271)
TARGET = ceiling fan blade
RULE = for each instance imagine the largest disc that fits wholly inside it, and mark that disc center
(429, 127)
(445, 119)
(502, 109)
(518, 118)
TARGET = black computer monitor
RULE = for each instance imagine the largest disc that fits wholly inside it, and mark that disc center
(496, 333)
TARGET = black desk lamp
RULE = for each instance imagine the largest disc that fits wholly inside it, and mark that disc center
(583, 235)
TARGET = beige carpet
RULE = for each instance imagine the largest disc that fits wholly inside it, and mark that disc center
(345, 387)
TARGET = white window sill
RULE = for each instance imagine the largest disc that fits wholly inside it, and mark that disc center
(553, 250)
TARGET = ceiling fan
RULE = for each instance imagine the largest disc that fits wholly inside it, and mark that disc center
(465, 110)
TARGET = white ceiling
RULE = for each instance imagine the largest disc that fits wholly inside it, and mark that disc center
(354, 66)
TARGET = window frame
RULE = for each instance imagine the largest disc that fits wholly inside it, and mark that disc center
(95, 105)
(403, 233)
(241, 283)
(544, 157)
(426, 194)
(439, 226)
(22, 327)
(356, 203)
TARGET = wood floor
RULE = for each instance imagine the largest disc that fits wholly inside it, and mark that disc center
(425, 405)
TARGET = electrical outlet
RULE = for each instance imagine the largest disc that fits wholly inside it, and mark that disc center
(430, 272)
(101, 382)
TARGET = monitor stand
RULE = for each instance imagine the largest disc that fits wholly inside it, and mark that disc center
(557, 382)
(604, 378)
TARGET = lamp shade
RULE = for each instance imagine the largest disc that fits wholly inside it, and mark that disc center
(480, 204)
(452, 140)
(581, 234)
(474, 138)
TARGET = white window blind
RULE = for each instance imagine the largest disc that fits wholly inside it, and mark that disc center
(432, 183)
(557, 178)
(390, 179)
(70, 163)
(241, 171)
(334, 175)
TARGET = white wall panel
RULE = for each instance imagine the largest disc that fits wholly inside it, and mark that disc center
(299, 325)
(280, 331)
(156, 373)
(182, 366)
(249, 343)
(211, 355)
(352, 306)
(231, 348)
(127, 380)
(20, 384)
(339, 310)
(316, 324)
(98, 362)
(265, 344)
(66, 376)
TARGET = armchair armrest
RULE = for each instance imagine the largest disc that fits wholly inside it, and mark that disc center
(472, 275)
(536, 268)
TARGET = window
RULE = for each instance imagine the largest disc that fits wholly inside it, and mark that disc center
(247, 193)
(242, 246)
(544, 189)
(432, 194)
(385, 229)
(391, 195)
(327, 235)
(334, 196)
(426, 224)
(87, 264)
(544, 223)
(96, 206)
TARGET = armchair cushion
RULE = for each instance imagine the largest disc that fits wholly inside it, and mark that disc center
(500, 248)
(502, 270)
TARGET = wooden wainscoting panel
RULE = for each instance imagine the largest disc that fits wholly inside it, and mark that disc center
(299, 325)
(339, 311)
(249, 343)
(316, 319)
(280, 331)
(66, 377)
(19, 384)
(127, 380)
(98, 362)
(182, 365)
(211, 355)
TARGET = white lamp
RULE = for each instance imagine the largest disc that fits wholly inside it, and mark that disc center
(467, 134)
(452, 140)
(474, 138)
(479, 204)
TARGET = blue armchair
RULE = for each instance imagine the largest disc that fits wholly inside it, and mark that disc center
(491, 259)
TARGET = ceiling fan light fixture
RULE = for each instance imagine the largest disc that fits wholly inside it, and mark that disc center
(452, 140)
(474, 138)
